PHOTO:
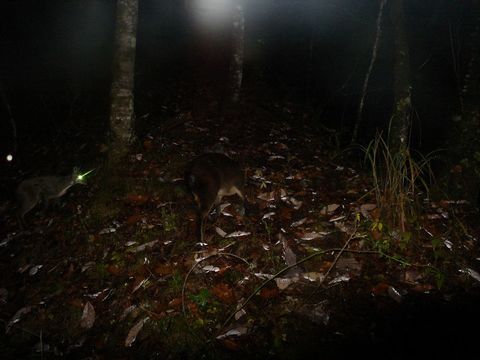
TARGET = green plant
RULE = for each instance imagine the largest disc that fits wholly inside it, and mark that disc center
(398, 179)
(202, 299)
(169, 220)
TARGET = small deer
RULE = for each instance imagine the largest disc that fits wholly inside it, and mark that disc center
(43, 189)
(209, 178)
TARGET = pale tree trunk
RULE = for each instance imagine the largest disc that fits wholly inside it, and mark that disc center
(402, 106)
(121, 110)
(373, 58)
(238, 42)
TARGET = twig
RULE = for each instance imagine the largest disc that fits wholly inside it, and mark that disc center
(262, 285)
(200, 261)
(352, 235)
(41, 344)
(153, 314)
(369, 71)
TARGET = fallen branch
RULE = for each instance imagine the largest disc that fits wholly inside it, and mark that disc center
(202, 260)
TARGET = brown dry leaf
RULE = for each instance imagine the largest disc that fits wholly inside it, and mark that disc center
(230, 344)
(175, 303)
(269, 293)
(375, 214)
(114, 270)
(77, 303)
(132, 334)
(376, 235)
(136, 199)
(163, 269)
(192, 308)
(326, 265)
(348, 263)
(148, 144)
(412, 276)
(16, 318)
(380, 289)
(423, 288)
(88, 316)
(133, 219)
(224, 293)
(286, 213)
(268, 196)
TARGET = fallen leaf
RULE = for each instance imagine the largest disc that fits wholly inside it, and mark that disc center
(148, 144)
(313, 276)
(238, 330)
(395, 294)
(348, 263)
(220, 231)
(311, 235)
(16, 318)
(283, 283)
(136, 199)
(210, 268)
(269, 292)
(339, 279)
(133, 219)
(163, 269)
(238, 234)
(224, 293)
(268, 215)
(88, 316)
(175, 303)
(299, 222)
(329, 209)
(475, 275)
(380, 289)
(107, 231)
(34, 269)
(132, 334)
(268, 196)
(144, 246)
(3, 296)
(230, 344)
(368, 207)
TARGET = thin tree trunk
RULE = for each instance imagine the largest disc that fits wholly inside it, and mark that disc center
(236, 65)
(400, 121)
(121, 110)
(369, 71)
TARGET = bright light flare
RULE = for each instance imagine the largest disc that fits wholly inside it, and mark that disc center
(211, 13)
(81, 177)
(9, 157)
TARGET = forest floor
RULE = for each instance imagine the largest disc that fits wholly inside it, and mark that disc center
(308, 270)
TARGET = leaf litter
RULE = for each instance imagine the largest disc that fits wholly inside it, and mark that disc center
(293, 189)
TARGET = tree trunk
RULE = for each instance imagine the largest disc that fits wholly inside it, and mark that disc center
(236, 64)
(121, 110)
(361, 104)
(402, 106)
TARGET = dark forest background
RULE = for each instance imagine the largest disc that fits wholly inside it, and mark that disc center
(56, 63)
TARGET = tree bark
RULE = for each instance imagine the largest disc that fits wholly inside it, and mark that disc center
(402, 106)
(121, 110)
(238, 42)
(361, 104)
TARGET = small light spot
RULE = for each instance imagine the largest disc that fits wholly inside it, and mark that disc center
(9, 157)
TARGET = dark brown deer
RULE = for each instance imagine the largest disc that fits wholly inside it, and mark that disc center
(210, 177)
